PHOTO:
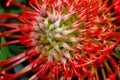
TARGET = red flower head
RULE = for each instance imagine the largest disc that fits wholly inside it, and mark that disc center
(66, 39)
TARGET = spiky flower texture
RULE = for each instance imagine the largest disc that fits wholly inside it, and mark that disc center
(66, 39)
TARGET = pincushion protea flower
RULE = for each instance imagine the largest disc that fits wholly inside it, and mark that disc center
(66, 39)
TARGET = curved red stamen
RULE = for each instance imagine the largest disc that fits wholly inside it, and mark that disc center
(2, 16)
(10, 31)
(8, 3)
(10, 42)
(13, 59)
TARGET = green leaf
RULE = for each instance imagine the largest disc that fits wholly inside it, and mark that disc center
(16, 11)
(21, 1)
(17, 49)
(4, 51)
(1, 9)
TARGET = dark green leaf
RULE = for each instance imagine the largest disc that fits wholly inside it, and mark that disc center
(17, 69)
(17, 49)
(4, 51)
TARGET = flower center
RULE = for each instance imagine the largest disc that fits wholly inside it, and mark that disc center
(52, 32)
